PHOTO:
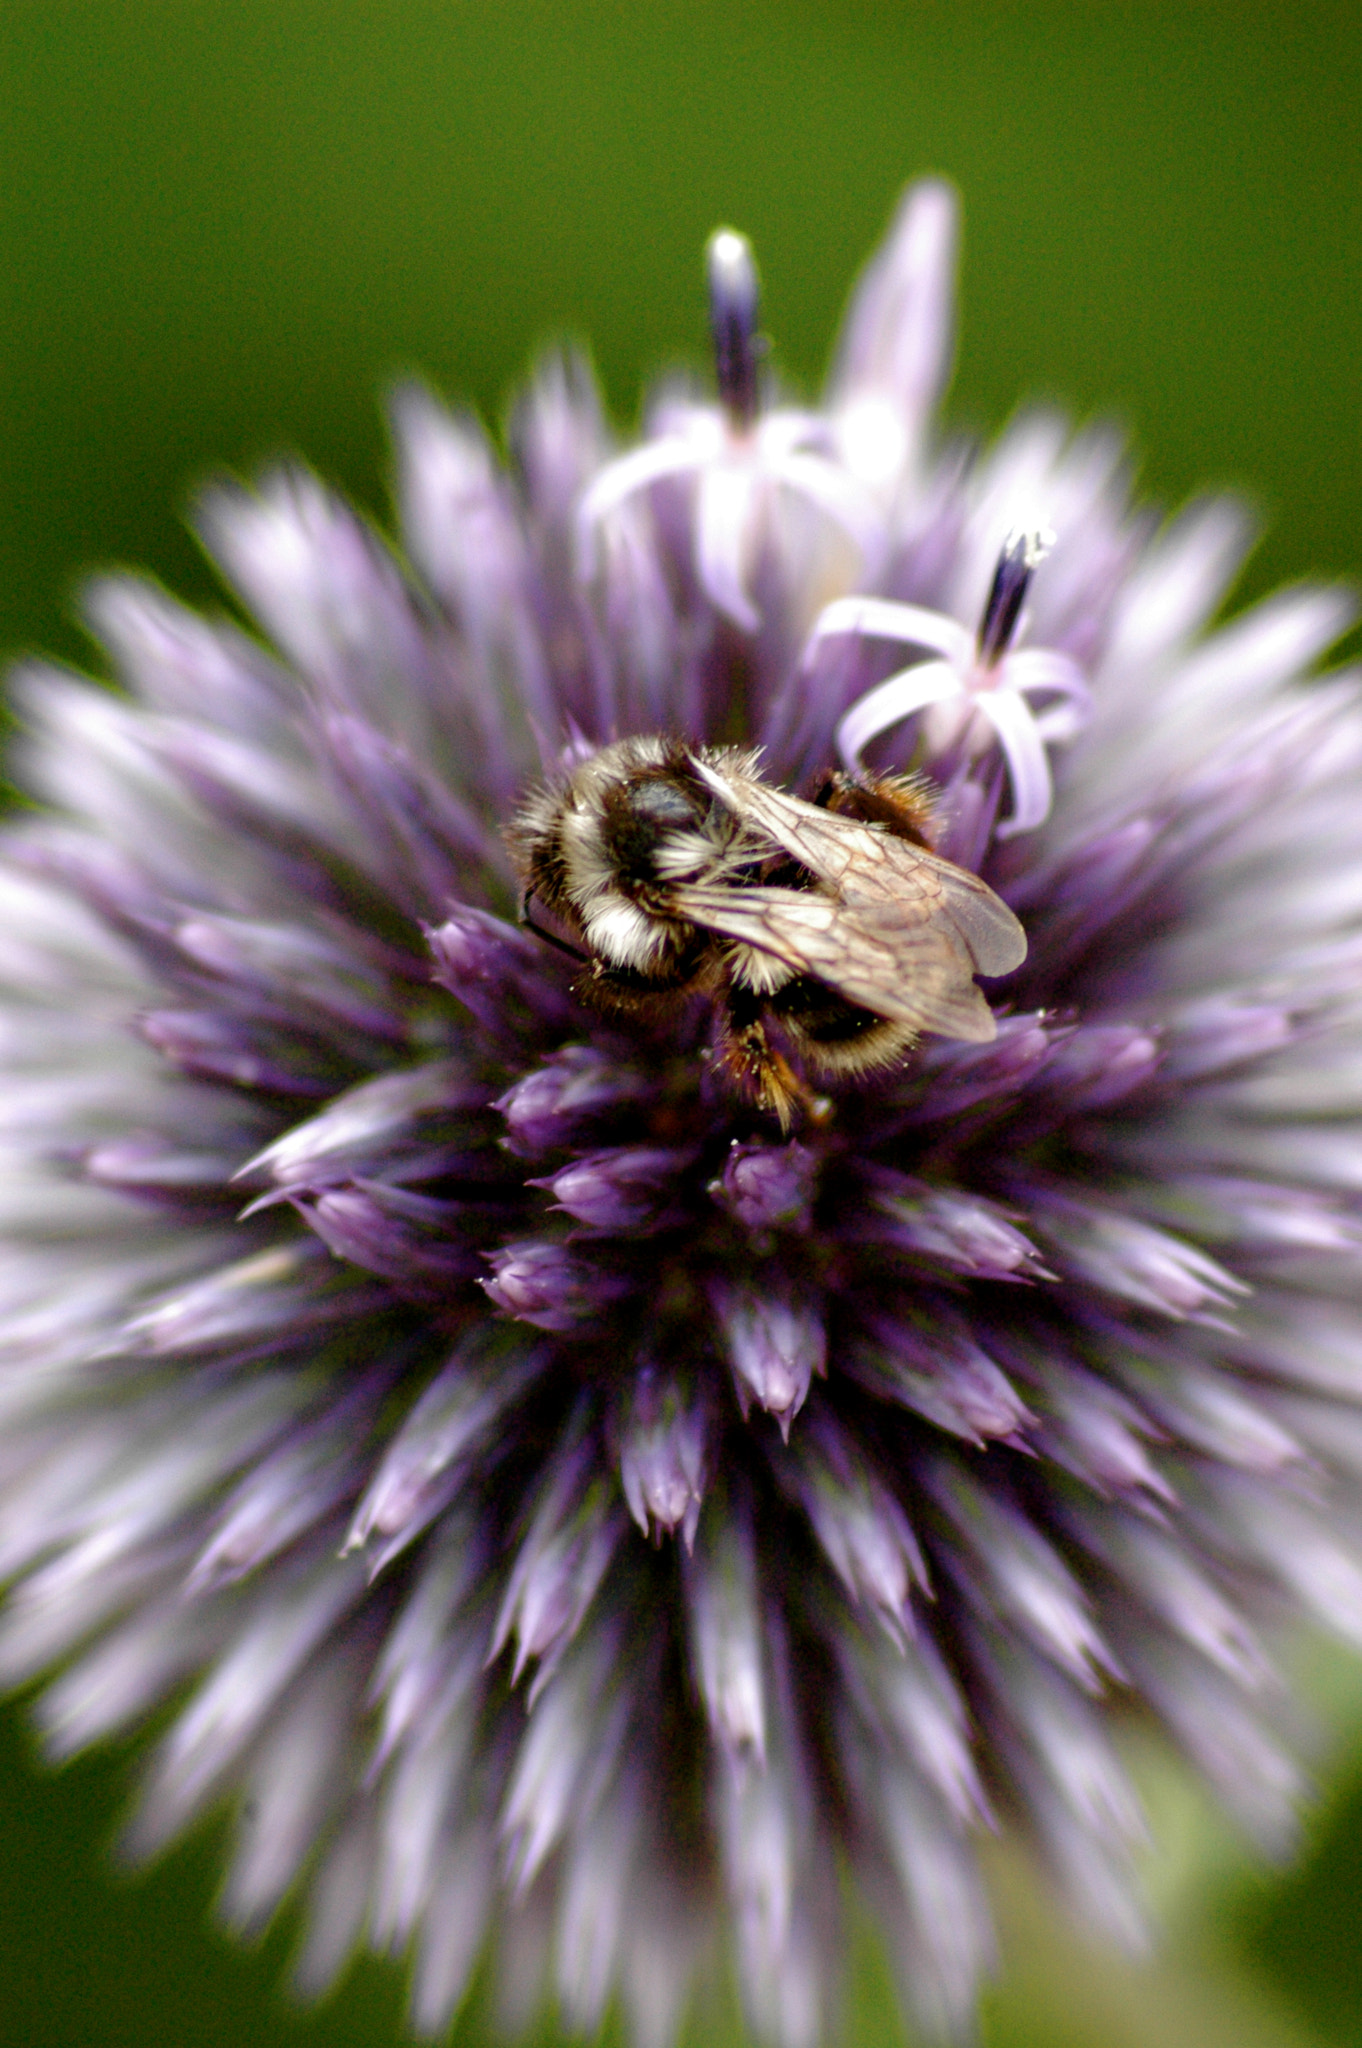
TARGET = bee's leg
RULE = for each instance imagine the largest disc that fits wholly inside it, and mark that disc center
(750, 1060)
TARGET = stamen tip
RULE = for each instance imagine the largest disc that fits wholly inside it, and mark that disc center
(732, 268)
(734, 296)
(1028, 545)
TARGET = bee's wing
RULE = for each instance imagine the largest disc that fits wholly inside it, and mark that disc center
(902, 960)
(866, 865)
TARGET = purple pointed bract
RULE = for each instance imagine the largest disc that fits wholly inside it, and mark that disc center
(560, 1511)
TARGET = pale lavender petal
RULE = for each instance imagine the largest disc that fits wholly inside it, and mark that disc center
(906, 624)
(1028, 764)
(895, 353)
(1180, 583)
(254, 1672)
(775, 1342)
(1025, 1577)
(559, 1566)
(725, 539)
(595, 1911)
(1138, 1263)
(243, 1305)
(240, 1051)
(981, 1077)
(1096, 1432)
(370, 1126)
(183, 665)
(1041, 668)
(541, 1282)
(417, 1242)
(306, 973)
(664, 1457)
(1089, 1776)
(1096, 1065)
(574, 1088)
(727, 1638)
(567, 1757)
(435, 1647)
(428, 844)
(499, 972)
(775, 1874)
(452, 1930)
(787, 430)
(940, 1372)
(465, 535)
(1165, 1579)
(420, 1474)
(768, 1187)
(897, 698)
(559, 436)
(420, 1803)
(862, 1527)
(338, 1905)
(113, 1686)
(671, 1941)
(1252, 1772)
(333, 601)
(962, 1231)
(1284, 1537)
(281, 1498)
(672, 455)
(294, 1783)
(927, 1895)
(630, 1187)
(919, 1715)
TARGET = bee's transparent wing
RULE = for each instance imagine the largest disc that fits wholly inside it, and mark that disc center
(866, 865)
(903, 960)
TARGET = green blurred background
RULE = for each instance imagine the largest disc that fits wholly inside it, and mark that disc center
(224, 227)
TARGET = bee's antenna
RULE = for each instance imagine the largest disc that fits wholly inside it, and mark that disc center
(541, 932)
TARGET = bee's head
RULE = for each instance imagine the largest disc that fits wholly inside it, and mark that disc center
(658, 826)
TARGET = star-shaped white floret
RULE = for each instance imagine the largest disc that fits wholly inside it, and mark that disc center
(740, 455)
(981, 672)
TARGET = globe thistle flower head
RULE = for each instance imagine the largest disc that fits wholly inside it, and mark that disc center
(568, 1516)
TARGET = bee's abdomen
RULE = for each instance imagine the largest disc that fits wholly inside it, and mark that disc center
(820, 1014)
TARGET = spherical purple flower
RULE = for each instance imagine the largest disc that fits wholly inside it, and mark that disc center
(567, 1511)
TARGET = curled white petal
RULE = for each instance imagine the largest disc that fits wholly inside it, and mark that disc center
(898, 697)
(1043, 668)
(1062, 721)
(672, 455)
(1028, 764)
(879, 618)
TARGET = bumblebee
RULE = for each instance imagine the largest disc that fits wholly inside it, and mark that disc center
(826, 926)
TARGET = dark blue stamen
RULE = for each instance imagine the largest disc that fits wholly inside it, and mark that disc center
(733, 306)
(1023, 551)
